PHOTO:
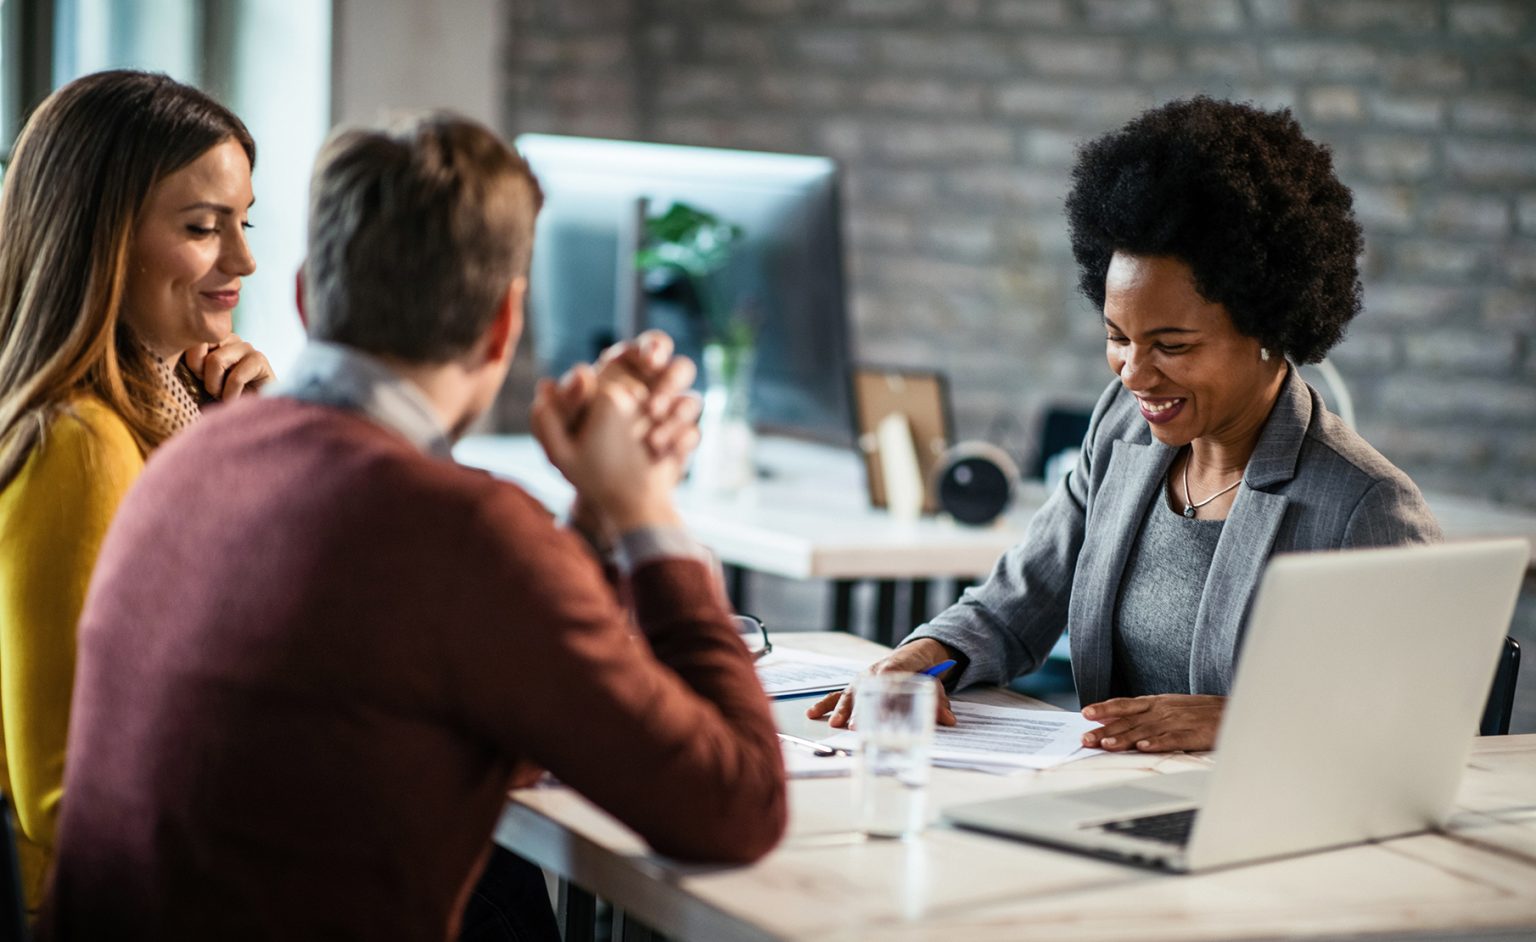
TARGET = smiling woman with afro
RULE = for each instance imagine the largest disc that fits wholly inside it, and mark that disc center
(1220, 247)
(1244, 199)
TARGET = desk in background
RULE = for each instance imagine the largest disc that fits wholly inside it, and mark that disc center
(828, 884)
(808, 517)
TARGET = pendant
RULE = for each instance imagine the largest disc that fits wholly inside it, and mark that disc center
(1189, 511)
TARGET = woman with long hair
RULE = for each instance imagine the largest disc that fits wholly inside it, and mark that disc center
(122, 249)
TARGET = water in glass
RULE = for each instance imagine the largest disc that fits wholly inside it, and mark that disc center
(893, 715)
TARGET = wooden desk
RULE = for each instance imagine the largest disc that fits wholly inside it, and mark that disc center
(827, 883)
(809, 517)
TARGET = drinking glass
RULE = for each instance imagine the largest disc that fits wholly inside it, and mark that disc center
(893, 716)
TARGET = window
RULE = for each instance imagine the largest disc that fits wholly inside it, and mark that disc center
(160, 35)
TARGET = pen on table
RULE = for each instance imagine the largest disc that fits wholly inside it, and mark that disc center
(939, 668)
(820, 749)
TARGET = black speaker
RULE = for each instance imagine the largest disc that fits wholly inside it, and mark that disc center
(975, 481)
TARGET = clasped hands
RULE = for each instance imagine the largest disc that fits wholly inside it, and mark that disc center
(1158, 723)
(621, 432)
(228, 368)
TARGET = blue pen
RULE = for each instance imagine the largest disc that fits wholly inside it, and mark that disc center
(939, 668)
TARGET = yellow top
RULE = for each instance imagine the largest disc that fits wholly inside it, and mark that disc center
(53, 516)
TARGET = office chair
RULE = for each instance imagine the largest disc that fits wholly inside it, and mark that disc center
(1326, 379)
(1501, 696)
(1061, 427)
(13, 921)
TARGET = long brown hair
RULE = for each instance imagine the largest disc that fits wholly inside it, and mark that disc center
(81, 173)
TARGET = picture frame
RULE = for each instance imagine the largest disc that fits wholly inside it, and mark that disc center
(920, 395)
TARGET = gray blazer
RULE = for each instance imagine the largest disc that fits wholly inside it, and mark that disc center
(1312, 484)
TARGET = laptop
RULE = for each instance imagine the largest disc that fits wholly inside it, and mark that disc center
(1362, 678)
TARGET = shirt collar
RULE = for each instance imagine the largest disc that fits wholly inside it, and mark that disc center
(345, 378)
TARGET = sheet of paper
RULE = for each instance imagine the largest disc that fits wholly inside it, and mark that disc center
(1001, 739)
(1016, 734)
(788, 672)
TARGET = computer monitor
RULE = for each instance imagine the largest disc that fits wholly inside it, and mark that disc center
(584, 293)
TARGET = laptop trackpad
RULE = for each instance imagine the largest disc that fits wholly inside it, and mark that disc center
(1125, 797)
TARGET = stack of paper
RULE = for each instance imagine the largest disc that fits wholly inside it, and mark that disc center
(788, 672)
(1001, 739)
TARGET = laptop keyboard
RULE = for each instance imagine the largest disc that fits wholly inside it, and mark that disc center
(1172, 828)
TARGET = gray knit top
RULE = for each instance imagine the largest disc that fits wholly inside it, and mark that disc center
(1159, 598)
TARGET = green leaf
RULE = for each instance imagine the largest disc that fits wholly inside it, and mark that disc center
(697, 243)
(687, 238)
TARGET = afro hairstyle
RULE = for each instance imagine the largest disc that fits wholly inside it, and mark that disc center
(1241, 196)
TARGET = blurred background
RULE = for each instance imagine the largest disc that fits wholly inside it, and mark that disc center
(955, 122)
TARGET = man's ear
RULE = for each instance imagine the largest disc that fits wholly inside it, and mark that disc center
(298, 297)
(507, 327)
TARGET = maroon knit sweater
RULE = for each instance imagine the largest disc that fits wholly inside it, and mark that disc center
(313, 658)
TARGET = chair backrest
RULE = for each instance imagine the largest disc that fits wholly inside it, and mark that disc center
(13, 920)
(1501, 696)
(1061, 427)
(1327, 380)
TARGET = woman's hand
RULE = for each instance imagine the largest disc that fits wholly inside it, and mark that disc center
(909, 658)
(229, 368)
(1163, 723)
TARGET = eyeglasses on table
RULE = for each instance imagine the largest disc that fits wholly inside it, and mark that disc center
(754, 634)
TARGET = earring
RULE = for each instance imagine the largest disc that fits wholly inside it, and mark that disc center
(1264, 354)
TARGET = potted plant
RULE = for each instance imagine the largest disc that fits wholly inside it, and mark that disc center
(695, 247)
(685, 262)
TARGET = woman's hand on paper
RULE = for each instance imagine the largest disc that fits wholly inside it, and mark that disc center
(1162, 723)
(912, 658)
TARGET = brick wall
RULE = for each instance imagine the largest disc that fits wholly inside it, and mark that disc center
(956, 120)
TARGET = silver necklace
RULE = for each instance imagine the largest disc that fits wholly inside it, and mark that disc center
(1189, 504)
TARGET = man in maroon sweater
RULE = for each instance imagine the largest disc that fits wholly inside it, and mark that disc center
(316, 651)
